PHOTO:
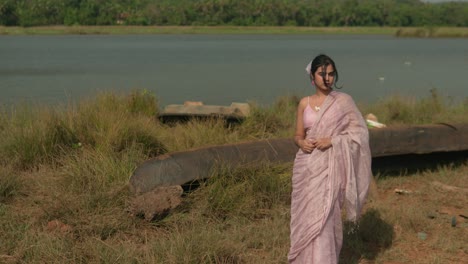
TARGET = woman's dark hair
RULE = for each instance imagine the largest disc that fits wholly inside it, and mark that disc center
(323, 60)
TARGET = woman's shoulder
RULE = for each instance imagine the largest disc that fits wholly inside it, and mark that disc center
(341, 96)
(304, 101)
(344, 101)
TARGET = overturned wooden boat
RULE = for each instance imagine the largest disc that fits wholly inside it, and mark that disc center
(190, 109)
(182, 167)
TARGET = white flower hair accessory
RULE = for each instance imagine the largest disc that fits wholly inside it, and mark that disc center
(308, 68)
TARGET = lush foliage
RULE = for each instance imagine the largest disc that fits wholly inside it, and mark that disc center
(233, 12)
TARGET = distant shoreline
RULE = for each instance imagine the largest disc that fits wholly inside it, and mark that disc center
(434, 32)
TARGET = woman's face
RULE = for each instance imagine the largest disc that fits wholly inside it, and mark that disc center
(324, 77)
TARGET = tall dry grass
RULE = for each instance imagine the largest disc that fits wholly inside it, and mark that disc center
(399, 110)
(64, 171)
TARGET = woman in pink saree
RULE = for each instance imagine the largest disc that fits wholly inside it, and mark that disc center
(332, 168)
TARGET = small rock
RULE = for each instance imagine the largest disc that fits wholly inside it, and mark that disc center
(454, 221)
(58, 226)
(401, 191)
(431, 215)
(157, 203)
(422, 235)
(7, 259)
(444, 211)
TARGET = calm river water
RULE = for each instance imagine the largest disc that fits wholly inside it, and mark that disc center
(220, 69)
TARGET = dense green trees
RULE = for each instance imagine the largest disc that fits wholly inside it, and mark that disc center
(233, 12)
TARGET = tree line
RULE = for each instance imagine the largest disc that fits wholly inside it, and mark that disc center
(318, 13)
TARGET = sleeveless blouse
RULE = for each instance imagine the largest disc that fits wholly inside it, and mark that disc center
(309, 117)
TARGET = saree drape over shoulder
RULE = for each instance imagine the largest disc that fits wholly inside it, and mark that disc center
(323, 181)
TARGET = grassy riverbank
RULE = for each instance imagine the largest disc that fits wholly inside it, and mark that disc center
(192, 30)
(64, 199)
(406, 32)
(432, 32)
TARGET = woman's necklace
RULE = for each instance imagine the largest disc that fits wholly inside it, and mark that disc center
(316, 102)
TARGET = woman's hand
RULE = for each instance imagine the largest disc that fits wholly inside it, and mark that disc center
(306, 145)
(322, 143)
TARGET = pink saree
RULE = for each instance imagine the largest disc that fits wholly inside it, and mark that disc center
(324, 181)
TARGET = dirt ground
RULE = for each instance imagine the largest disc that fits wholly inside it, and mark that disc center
(428, 214)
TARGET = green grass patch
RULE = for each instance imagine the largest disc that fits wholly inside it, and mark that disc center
(246, 191)
(10, 183)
